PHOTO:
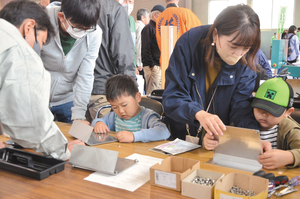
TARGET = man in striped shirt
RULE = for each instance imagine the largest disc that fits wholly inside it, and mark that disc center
(280, 134)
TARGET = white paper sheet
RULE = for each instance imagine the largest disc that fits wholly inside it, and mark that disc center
(131, 178)
(175, 147)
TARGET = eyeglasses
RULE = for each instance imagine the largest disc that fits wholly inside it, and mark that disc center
(92, 29)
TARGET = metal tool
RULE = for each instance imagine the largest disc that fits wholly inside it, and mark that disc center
(289, 189)
(271, 193)
(295, 181)
(276, 188)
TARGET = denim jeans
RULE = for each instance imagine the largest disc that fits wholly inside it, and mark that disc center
(62, 113)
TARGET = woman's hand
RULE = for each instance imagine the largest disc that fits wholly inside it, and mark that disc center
(210, 122)
(209, 142)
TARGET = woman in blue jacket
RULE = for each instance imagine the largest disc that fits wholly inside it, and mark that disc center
(209, 79)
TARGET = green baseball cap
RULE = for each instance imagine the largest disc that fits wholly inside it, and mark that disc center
(275, 96)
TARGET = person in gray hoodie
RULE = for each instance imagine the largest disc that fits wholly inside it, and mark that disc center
(70, 56)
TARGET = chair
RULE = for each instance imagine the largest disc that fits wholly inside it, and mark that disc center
(152, 104)
(156, 94)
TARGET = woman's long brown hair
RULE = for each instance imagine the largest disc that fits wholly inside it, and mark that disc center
(240, 19)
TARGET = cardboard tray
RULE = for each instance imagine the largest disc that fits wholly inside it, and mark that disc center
(247, 182)
(194, 190)
(170, 172)
(29, 164)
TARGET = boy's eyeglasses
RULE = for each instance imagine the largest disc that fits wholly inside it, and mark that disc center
(92, 29)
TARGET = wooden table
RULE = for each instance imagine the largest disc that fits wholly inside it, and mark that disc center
(70, 184)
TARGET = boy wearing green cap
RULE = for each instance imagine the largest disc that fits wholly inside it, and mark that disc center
(279, 133)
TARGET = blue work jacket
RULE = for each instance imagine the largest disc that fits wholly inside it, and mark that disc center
(185, 88)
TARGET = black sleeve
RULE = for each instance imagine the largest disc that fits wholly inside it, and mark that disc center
(146, 47)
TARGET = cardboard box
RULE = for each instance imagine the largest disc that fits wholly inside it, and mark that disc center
(247, 182)
(195, 190)
(171, 171)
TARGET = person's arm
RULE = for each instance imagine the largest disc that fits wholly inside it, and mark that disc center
(147, 58)
(293, 141)
(109, 120)
(296, 47)
(85, 76)
(24, 104)
(177, 102)
(264, 63)
(241, 113)
(156, 130)
(120, 39)
(276, 158)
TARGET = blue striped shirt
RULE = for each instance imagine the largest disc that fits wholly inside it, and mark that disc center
(132, 125)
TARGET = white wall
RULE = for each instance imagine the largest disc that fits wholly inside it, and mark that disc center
(200, 8)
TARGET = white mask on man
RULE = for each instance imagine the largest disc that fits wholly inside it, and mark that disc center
(128, 7)
(72, 33)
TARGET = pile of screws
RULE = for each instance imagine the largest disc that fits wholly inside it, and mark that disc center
(239, 191)
(203, 181)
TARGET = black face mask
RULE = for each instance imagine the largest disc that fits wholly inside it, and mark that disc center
(36, 46)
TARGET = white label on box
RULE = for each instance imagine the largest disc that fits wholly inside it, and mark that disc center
(165, 179)
(223, 196)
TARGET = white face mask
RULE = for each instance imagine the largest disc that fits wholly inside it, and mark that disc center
(72, 33)
(225, 56)
(128, 8)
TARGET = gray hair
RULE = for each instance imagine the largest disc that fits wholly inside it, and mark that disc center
(155, 11)
(142, 12)
(168, 1)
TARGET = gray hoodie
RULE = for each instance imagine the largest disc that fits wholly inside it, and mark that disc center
(72, 74)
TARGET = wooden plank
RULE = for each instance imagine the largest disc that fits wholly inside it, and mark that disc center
(165, 50)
